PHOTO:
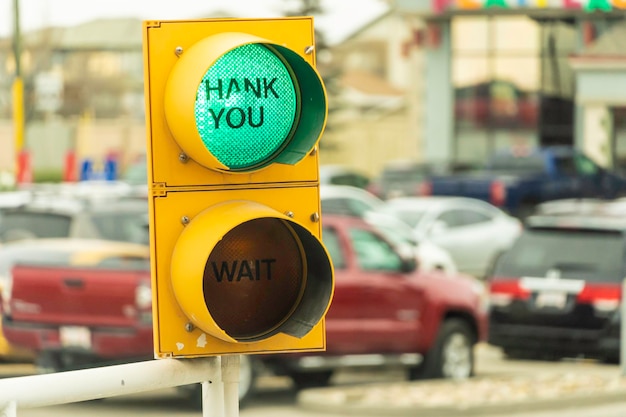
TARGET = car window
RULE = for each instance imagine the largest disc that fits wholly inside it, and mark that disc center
(461, 218)
(372, 252)
(585, 166)
(410, 216)
(577, 254)
(333, 246)
(565, 165)
(123, 227)
(522, 164)
(23, 225)
(345, 206)
(353, 180)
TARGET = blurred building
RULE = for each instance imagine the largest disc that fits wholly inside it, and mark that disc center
(376, 95)
(84, 92)
(504, 73)
(601, 105)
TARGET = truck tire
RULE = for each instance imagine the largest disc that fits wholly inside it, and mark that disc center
(48, 362)
(247, 379)
(452, 355)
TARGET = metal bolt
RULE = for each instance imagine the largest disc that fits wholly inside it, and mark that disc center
(315, 217)
(185, 220)
(289, 214)
(309, 49)
(189, 327)
(178, 51)
(183, 158)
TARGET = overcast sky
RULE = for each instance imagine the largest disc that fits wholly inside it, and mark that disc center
(340, 15)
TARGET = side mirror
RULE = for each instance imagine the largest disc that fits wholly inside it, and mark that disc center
(408, 263)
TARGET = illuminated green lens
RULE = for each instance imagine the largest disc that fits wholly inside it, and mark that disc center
(245, 107)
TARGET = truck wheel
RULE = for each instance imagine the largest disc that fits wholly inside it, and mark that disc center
(247, 379)
(48, 362)
(452, 355)
(303, 380)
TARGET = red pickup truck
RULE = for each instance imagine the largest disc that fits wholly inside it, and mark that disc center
(384, 311)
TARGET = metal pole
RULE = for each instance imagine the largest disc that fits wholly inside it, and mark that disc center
(213, 393)
(230, 376)
(10, 410)
(90, 384)
(17, 41)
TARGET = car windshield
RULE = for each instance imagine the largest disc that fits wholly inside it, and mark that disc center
(22, 225)
(593, 255)
(411, 216)
(123, 227)
(533, 163)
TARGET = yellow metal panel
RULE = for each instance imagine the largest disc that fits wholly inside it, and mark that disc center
(161, 41)
(181, 188)
(169, 211)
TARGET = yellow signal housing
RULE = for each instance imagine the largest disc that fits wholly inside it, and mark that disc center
(235, 111)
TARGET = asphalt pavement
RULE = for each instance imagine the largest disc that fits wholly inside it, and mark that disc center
(499, 387)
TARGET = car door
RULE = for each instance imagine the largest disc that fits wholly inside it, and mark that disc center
(389, 300)
(343, 319)
(469, 234)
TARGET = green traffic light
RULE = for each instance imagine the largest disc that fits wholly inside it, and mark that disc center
(246, 107)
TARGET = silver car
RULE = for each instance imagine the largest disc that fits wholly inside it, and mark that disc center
(473, 232)
(356, 202)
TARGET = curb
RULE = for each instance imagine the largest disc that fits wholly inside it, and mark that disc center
(368, 401)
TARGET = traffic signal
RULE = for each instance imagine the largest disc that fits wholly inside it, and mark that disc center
(235, 109)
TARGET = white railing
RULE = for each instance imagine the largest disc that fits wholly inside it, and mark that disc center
(219, 377)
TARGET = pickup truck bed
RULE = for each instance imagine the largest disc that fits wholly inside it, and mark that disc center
(95, 313)
(518, 180)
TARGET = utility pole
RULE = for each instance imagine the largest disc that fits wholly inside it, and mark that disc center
(18, 86)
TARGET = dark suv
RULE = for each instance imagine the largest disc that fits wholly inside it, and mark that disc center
(557, 291)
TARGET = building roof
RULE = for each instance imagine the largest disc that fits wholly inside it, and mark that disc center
(103, 34)
(610, 44)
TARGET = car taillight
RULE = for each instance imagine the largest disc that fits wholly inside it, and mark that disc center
(497, 193)
(503, 292)
(143, 300)
(425, 188)
(6, 288)
(603, 298)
